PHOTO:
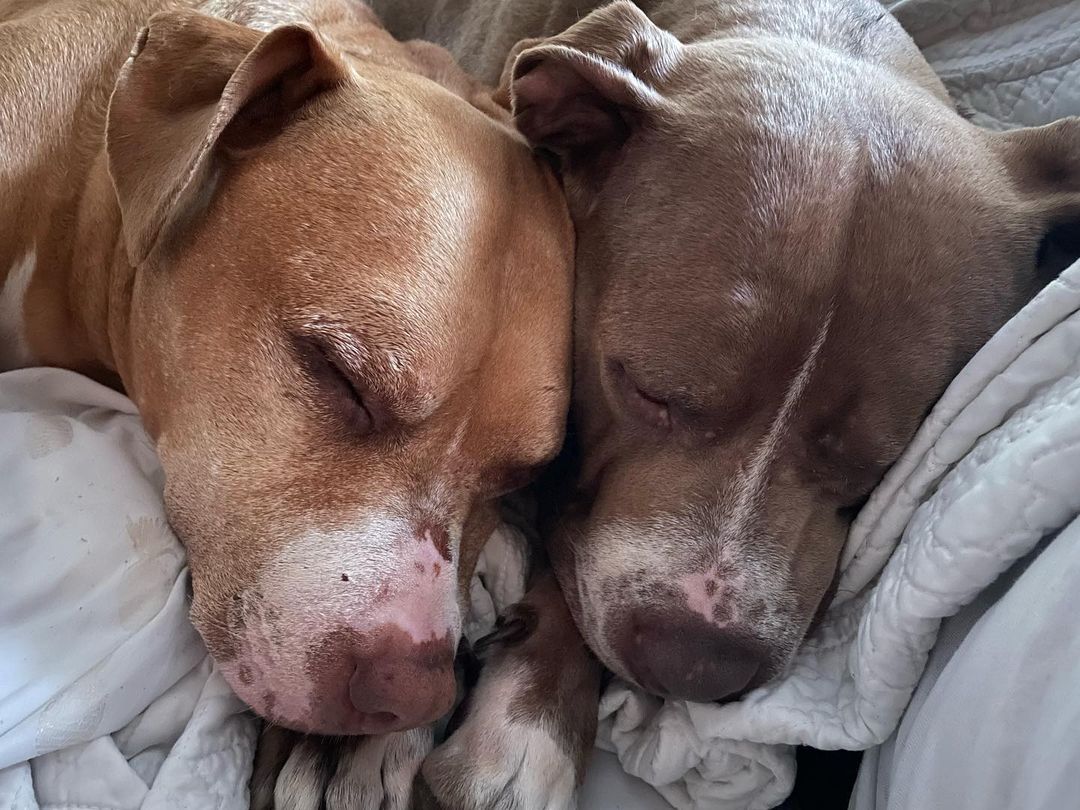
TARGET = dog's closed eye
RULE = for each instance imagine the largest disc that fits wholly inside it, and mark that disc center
(644, 406)
(340, 386)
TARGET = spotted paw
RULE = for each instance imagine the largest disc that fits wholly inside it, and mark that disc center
(527, 727)
(496, 761)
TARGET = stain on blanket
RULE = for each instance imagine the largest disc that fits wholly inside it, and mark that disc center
(47, 433)
(149, 534)
(146, 589)
(154, 567)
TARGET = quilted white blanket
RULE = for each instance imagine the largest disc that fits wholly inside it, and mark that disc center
(994, 469)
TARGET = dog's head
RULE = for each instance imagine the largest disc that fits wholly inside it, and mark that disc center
(786, 249)
(349, 334)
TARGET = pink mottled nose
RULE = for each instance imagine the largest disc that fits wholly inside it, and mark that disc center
(376, 681)
(399, 683)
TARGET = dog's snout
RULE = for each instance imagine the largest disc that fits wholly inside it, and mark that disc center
(681, 655)
(399, 683)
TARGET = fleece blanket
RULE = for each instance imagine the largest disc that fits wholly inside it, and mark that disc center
(108, 699)
(994, 469)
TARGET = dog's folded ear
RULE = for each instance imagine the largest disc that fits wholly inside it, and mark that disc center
(1044, 166)
(582, 92)
(197, 91)
(1044, 161)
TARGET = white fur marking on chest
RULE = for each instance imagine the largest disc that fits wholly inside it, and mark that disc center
(14, 352)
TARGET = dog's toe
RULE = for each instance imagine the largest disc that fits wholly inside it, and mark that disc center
(275, 746)
(303, 779)
(376, 773)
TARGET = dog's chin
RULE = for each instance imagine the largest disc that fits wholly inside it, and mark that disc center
(343, 722)
(764, 676)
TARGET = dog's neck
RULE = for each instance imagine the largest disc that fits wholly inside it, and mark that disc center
(76, 282)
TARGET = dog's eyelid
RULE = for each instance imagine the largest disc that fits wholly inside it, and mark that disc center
(676, 409)
(695, 415)
(387, 382)
(679, 398)
(632, 378)
(357, 373)
(356, 352)
(363, 396)
(645, 406)
(336, 372)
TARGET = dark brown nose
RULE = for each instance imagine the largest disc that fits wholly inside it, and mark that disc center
(399, 683)
(680, 655)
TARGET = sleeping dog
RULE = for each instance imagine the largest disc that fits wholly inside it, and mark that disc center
(314, 258)
(789, 241)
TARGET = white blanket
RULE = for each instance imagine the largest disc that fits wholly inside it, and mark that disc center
(994, 469)
(1013, 62)
(108, 699)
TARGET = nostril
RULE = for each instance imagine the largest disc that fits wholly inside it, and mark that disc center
(395, 700)
(384, 718)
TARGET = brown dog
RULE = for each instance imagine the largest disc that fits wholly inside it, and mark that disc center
(315, 259)
(788, 242)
